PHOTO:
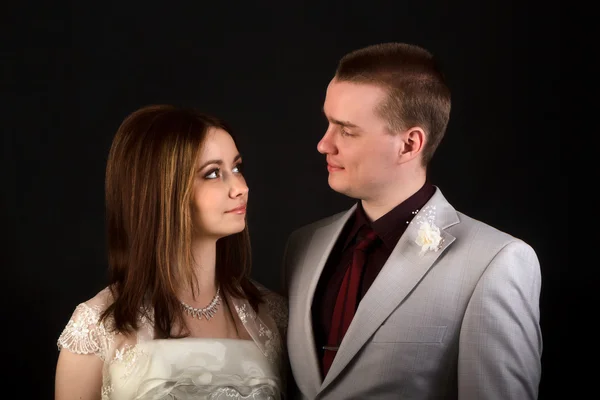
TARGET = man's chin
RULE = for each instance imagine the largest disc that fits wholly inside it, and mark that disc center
(340, 187)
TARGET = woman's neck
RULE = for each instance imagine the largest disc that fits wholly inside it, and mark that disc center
(204, 252)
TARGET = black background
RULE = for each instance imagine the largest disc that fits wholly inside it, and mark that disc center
(72, 72)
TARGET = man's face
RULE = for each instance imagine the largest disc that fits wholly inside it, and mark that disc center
(361, 152)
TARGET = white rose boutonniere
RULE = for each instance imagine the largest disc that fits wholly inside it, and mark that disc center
(428, 237)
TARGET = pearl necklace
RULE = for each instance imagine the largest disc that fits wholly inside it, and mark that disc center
(207, 312)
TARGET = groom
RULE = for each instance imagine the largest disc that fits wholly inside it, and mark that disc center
(402, 296)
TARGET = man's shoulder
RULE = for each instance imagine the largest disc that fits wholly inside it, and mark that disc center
(488, 235)
(471, 228)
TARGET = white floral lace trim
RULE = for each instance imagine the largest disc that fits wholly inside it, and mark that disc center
(128, 356)
(84, 334)
(106, 392)
(279, 311)
(263, 392)
(245, 312)
(209, 392)
(277, 307)
(270, 343)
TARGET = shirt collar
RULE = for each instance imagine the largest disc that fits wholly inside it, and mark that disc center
(392, 225)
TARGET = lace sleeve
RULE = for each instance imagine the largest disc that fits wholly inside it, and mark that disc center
(84, 333)
(277, 306)
(278, 309)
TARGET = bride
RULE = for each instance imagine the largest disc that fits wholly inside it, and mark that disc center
(180, 318)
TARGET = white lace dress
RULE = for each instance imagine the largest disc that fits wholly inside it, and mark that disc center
(140, 367)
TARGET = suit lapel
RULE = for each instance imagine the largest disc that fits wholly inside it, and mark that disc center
(401, 273)
(317, 253)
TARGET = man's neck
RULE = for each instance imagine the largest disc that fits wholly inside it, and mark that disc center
(378, 206)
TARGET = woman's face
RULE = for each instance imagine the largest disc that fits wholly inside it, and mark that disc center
(219, 192)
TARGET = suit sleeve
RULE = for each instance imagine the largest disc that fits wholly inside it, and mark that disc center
(501, 342)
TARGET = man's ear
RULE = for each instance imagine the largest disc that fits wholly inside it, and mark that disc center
(412, 142)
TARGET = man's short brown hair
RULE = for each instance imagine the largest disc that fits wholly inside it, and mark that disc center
(417, 92)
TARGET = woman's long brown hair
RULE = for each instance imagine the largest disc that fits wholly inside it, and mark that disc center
(149, 177)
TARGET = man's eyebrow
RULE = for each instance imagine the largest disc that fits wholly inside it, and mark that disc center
(346, 124)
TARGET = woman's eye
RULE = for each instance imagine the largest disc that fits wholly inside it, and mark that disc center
(214, 174)
(237, 169)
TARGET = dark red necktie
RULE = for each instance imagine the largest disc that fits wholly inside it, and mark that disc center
(345, 304)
